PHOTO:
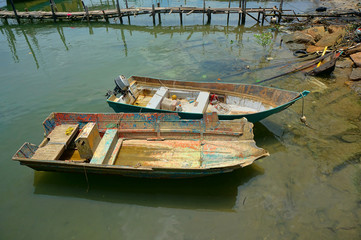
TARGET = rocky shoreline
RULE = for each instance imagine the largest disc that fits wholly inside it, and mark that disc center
(337, 34)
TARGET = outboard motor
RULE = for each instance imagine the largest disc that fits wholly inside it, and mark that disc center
(121, 85)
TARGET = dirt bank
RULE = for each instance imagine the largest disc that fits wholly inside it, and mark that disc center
(340, 4)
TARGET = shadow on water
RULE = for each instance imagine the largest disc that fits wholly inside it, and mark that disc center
(269, 134)
(217, 193)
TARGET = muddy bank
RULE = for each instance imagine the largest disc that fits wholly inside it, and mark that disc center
(339, 4)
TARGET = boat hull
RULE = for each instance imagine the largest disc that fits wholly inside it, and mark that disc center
(138, 173)
(279, 99)
(147, 145)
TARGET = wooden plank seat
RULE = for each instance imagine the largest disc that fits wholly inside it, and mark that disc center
(201, 104)
(157, 98)
(58, 140)
(105, 147)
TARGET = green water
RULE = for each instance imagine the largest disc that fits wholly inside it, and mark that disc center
(309, 188)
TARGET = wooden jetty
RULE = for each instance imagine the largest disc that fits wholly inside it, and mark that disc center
(258, 14)
(131, 12)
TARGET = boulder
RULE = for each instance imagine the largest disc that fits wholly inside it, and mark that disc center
(356, 58)
(334, 36)
(329, 40)
(316, 32)
(345, 63)
(355, 74)
(312, 48)
(298, 37)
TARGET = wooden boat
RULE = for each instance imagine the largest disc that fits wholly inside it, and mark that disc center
(141, 145)
(327, 65)
(229, 101)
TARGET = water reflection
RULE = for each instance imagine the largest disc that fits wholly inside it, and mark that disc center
(219, 193)
(194, 46)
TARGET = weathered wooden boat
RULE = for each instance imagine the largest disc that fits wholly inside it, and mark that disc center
(192, 99)
(326, 67)
(153, 145)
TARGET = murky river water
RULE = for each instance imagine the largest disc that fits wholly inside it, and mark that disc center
(309, 188)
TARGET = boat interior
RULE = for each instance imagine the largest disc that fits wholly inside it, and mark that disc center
(186, 100)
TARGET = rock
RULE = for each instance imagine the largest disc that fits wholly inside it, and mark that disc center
(350, 138)
(334, 36)
(356, 87)
(329, 40)
(355, 74)
(312, 48)
(316, 32)
(345, 63)
(356, 58)
(298, 37)
(296, 46)
(338, 29)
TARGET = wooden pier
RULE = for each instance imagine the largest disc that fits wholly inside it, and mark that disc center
(258, 14)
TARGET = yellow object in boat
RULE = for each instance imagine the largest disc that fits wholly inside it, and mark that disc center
(174, 97)
(324, 51)
(69, 130)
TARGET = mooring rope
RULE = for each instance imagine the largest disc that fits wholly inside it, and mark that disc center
(86, 178)
(303, 117)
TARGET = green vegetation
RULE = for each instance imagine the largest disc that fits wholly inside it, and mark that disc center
(263, 39)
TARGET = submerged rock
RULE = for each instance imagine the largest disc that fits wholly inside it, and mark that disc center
(298, 37)
(345, 63)
(355, 74)
(296, 46)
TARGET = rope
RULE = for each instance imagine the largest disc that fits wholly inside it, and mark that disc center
(86, 178)
(303, 117)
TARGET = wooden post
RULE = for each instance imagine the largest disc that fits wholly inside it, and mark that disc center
(153, 14)
(204, 9)
(16, 14)
(52, 9)
(239, 13)
(280, 12)
(229, 6)
(209, 15)
(126, 5)
(119, 13)
(244, 2)
(86, 11)
(105, 17)
(259, 14)
(159, 19)
(180, 16)
(263, 15)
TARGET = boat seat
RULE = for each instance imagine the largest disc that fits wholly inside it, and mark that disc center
(105, 147)
(59, 139)
(201, 103)
(157, 98)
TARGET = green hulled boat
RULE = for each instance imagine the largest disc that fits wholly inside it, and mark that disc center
(192, 99)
